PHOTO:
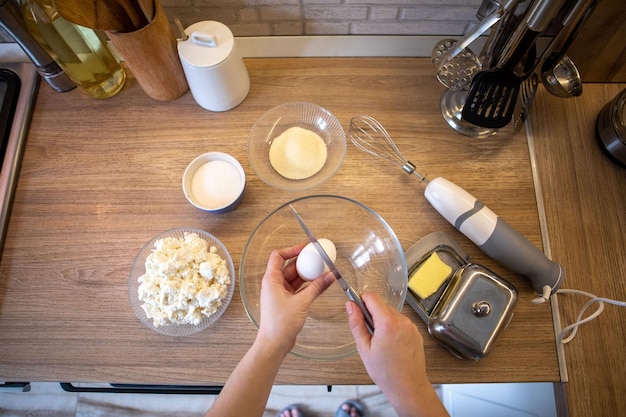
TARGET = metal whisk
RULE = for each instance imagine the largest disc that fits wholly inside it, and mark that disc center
(370, 136)
(466, 213)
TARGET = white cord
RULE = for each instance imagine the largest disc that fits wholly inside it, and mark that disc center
(573, 328)
(547, 291)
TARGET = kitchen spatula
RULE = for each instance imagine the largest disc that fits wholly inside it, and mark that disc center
(491, 98)
(492, 107)
(492, 95)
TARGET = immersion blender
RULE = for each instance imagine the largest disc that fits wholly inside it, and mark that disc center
(467, 214)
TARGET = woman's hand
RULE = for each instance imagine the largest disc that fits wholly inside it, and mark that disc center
(395, 354)
(394, 358)
(284, 305)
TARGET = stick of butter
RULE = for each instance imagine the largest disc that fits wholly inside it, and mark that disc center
(427, 279)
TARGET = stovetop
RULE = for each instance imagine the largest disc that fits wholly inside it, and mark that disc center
(19, 81)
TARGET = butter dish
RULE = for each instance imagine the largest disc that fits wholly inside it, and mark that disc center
(471, 305)
(448, 252)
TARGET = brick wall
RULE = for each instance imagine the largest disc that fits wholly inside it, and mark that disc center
(329, 17)
(326, 17)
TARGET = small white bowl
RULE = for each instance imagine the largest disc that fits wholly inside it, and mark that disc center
(214, 182)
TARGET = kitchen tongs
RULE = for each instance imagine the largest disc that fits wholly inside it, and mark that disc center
(493, 93)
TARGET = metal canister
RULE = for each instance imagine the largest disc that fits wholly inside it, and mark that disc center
(611, 129)
(476, 306)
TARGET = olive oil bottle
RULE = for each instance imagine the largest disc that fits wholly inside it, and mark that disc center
(81, 52)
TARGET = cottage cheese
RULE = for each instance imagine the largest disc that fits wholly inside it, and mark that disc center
(185, 281)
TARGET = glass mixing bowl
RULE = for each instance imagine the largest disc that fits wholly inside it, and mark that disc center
(369, 256)
(277, 120)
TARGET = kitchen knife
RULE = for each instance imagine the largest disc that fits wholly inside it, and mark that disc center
(352, 295)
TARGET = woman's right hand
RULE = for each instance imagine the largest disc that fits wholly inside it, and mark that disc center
(394, 357)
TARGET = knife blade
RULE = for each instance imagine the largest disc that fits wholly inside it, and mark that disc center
(347, 289)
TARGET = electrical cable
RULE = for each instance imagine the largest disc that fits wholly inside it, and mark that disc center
(572, 329)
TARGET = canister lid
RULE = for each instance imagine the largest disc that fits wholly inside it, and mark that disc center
(470, 308)
(476, 306)
(208, 44)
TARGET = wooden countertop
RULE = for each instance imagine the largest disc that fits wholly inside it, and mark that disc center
(585, 204)
(100, 178)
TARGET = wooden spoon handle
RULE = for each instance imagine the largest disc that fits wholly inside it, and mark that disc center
(151, 54)
(119, 16)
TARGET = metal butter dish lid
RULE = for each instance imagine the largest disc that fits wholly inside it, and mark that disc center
(464, 305)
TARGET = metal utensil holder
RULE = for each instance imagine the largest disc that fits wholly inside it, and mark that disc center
(503, 37)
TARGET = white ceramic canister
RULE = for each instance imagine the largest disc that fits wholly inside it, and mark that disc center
(215, 71)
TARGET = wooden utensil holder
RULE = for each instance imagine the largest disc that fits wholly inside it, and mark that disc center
(151, 55)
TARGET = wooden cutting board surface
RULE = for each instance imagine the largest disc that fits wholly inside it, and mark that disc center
(100, 178)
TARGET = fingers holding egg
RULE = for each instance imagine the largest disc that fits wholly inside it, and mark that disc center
(310, 264)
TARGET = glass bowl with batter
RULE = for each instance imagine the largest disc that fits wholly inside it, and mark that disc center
(296, 146)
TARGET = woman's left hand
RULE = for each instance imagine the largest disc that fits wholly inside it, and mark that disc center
(284, 306)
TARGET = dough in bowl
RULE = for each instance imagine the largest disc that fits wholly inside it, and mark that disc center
(298, 153)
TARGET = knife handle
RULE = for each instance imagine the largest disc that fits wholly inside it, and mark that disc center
(353, 296)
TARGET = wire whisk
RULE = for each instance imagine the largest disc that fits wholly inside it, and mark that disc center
(370, 136)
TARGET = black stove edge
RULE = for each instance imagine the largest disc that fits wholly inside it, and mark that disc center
(30, 80)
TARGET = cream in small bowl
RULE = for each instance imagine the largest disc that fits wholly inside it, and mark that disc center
(214, 182)
(296, 146)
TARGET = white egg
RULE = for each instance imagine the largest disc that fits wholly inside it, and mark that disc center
(310, 264)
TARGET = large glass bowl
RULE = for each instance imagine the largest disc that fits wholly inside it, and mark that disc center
(138, 268)
(295, 114)
(369, 256)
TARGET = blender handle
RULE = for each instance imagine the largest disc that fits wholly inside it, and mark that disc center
(493, 235)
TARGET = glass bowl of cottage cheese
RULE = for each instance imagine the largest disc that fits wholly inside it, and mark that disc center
(181, 282)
